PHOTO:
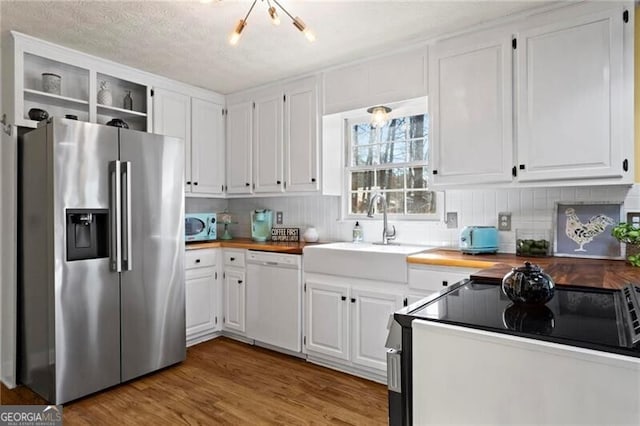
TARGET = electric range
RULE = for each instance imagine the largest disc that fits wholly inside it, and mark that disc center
(593, 318)
(588, 317)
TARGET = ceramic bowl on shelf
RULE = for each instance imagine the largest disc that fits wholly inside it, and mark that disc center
(117, 122)
(38, 114)
(51, 83)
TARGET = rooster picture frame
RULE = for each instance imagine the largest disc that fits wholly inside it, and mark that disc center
(583, 229)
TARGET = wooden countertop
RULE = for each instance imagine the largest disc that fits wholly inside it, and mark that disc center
(247, 243)
(563, 270)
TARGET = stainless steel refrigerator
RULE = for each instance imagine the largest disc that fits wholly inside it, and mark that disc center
(101, 282)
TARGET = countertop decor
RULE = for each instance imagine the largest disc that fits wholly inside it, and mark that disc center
(584, 230)
(629, 233)
(248, 243)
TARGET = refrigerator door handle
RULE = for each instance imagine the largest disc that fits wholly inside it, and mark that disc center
(115, 226)
(127, 263)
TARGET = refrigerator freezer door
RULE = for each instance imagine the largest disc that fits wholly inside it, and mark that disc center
(152, 292)
(86, 292)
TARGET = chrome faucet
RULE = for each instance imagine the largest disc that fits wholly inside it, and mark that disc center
(386, 235)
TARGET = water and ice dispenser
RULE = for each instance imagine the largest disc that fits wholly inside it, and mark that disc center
(87, 234)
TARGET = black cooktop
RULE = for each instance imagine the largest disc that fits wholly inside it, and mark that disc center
(579, 316)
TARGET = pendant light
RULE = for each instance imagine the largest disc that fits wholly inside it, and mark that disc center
(379, 115)
(275, 20)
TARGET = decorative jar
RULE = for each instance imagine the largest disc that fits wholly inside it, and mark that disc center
(51, 83)
(310, 235)
(104, 94)
(528, 285)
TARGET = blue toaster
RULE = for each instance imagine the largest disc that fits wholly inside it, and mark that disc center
(479, 239)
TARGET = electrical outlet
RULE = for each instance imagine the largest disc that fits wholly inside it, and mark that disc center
(504, 221)
(634, 218)
(452, 220)
(278, 218)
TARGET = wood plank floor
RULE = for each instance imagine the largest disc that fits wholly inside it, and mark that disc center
(230, 383)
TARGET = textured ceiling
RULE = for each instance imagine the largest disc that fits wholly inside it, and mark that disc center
(187, 40)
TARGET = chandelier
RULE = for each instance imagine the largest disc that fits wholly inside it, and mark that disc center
(275, 20)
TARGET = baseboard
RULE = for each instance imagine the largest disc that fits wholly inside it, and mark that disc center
(354, 371)
(238, 337)
(194, 340)
(279, 349)
(8, 374)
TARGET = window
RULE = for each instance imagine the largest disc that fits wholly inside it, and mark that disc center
(391, 160)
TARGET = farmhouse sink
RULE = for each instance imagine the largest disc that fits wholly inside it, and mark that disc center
(361, 260)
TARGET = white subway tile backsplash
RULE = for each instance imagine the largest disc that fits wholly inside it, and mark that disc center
(530, 208)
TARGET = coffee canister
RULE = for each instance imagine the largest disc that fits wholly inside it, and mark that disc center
(51, 83)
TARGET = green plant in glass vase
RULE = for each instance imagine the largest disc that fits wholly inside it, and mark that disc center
(629, 234)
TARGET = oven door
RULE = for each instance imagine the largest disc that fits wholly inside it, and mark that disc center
(194, 228)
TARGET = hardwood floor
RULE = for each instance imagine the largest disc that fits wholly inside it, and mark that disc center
(228, 382)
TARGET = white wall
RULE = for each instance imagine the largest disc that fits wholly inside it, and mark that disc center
(530, 208)
(7, 239)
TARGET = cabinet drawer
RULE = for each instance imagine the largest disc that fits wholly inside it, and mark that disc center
(234, 258)
(199, 258)
(436, 279)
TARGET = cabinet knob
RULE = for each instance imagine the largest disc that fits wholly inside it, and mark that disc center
(405, 302)
(188, 182)
(195, 183)
(313, 179)
(232, 259)
(344, 298)
(353, 300)
(239, 281)
(278, 182)
(445, 283)
(197, 260)
(247, 184)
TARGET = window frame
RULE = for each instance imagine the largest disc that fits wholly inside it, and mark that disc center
(406, 108)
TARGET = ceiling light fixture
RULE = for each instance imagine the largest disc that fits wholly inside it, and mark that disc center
(275, 19)
(379, 115)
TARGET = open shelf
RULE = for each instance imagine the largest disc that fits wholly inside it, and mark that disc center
(109, 110)
(52, 99)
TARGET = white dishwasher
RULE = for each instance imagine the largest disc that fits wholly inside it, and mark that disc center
(274, 299)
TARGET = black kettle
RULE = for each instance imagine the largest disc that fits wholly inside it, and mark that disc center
(528, 285)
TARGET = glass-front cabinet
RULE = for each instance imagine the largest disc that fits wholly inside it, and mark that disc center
(49, 80)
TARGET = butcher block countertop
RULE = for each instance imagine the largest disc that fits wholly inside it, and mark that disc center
(563, 270)
(248, 243)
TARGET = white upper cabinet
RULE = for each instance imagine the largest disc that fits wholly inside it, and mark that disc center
(267, 141)
(200, 124)
(570, 99)
(301, 135)
(239, 136)
(470, 94)
(172, 117)
(272, 139)
(386, 79)
(573, 111)
(207, 147)
(78, 93)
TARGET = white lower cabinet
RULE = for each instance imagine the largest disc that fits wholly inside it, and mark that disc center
(234, 291)
(327, 321)
(426, 279)
(346, 322)
(370, 316)
(201, 295)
